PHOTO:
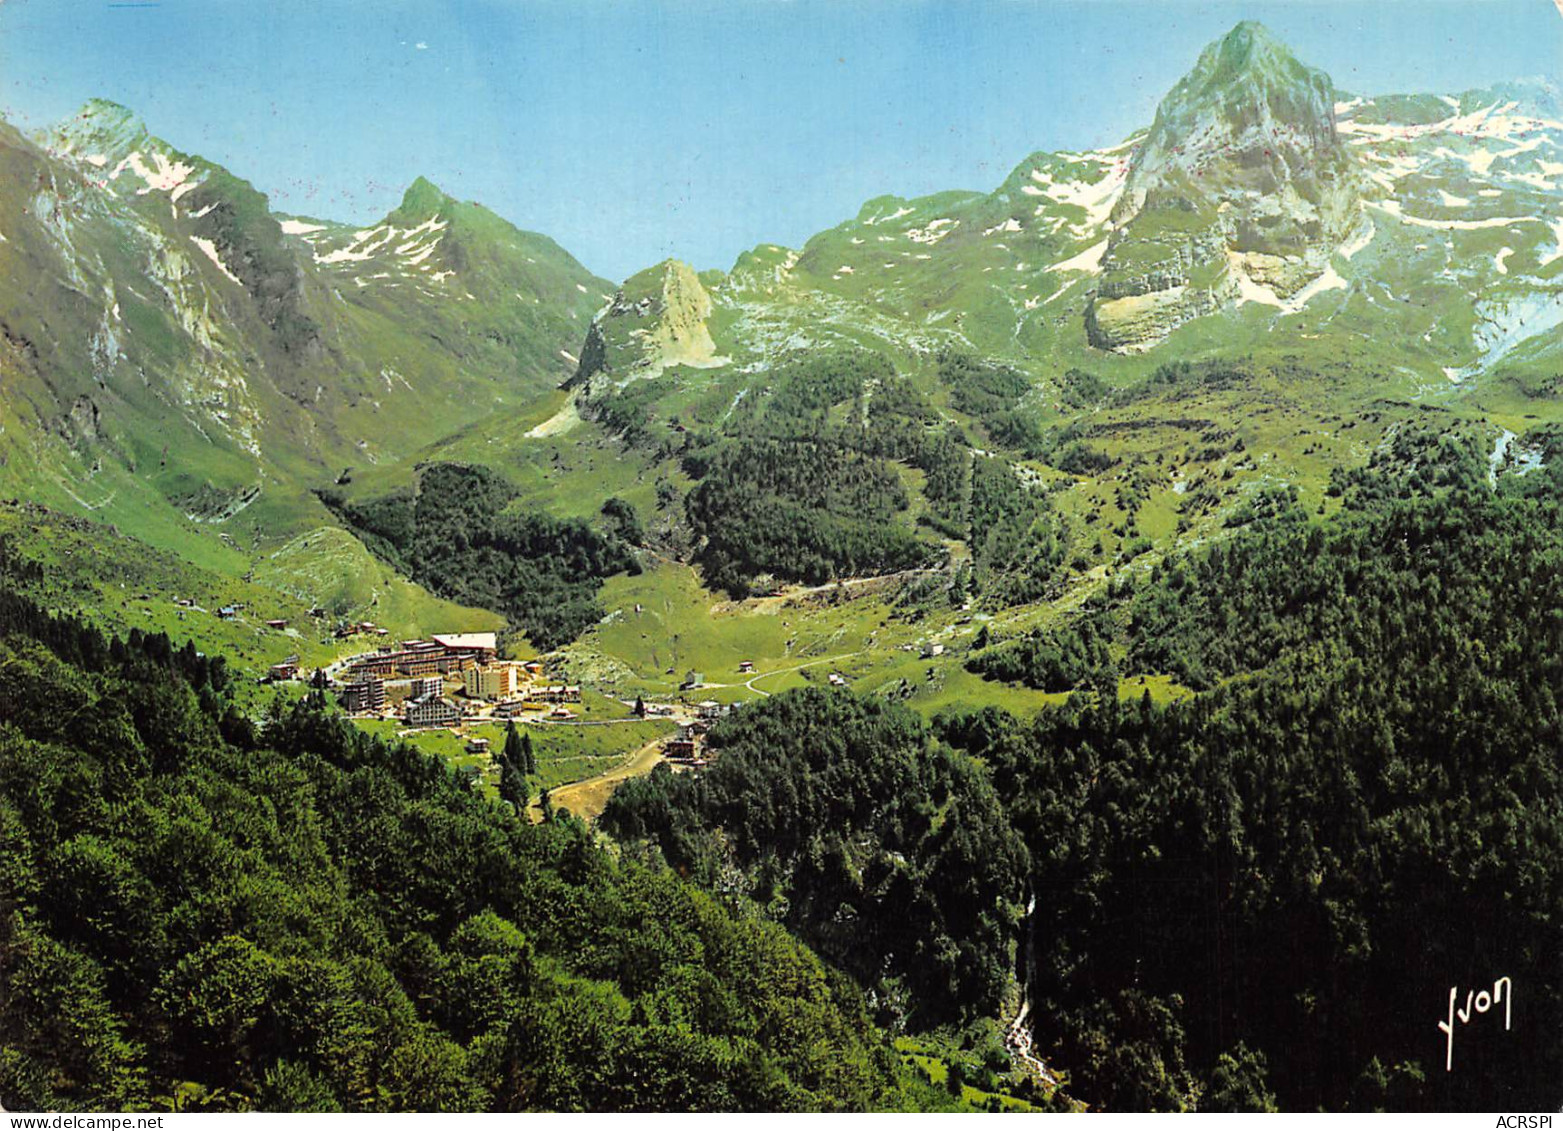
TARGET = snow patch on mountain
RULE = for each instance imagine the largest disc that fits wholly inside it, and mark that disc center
(1507, 321)
(162, 176)
(935, 231)
(1096, 198)
(1088, 261)
(209, 249)
(412, 245)
(1533, 180)
(1557, 244)
(1478, 139)
(1393, 208)
(1359, 240)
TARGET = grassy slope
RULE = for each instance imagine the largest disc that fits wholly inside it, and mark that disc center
(120, 583)
(565, 753)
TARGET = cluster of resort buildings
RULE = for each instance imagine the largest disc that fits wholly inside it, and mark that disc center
(452, 680)
(420, 680)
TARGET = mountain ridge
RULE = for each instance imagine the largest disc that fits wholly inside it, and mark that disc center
(178, 338)
(181, 354)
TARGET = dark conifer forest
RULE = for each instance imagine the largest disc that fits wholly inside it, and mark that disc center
(1272, 886)
(198, 912)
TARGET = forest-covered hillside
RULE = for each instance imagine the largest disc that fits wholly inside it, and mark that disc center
(200, 913)
(1262, 894)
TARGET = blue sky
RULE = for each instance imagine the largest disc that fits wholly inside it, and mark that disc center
(631, 131)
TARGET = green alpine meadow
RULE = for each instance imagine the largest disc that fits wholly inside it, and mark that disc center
(1088, 643)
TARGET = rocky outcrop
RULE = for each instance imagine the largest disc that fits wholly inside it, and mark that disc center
(657, 319)
(81, 425)
(211, 204)
(1244, 169)
(100, 129)
(1134, 322)
(594, 356)
(234, 216)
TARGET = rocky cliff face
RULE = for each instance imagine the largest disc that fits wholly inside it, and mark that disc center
(1243, 177)
(656, 320)
(154, 311)
(223, 216)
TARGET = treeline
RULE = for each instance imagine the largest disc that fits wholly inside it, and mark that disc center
(1019, 542)
(627, 412)
(197, 913)
(798, 482)
(884, 849)
(1069, 448)
(992, 394)
(454, 536)
(809, 512)
(1420, 527)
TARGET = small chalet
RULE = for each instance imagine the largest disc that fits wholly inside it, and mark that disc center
(679, 748)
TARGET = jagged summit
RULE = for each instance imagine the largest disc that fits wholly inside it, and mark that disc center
(1243, 178)
(1248, 50)
(1248, 116)
(657, 319)
(179, 310)
(422, 200)
(103, 127)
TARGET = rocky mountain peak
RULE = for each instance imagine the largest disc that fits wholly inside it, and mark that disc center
(1248, 117)
(1243, 177)
(1249, 50)
(422, 200)
(100, 127)
(657, 319)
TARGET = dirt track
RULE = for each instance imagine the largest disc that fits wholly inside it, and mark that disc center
(588, 798)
